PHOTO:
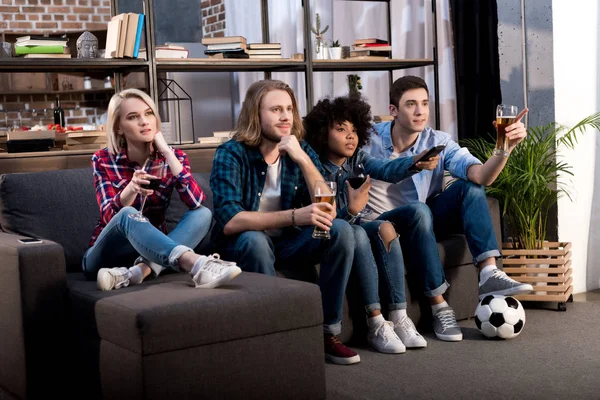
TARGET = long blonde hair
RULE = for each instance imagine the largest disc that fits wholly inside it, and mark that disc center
(115, 142)
(248, 130)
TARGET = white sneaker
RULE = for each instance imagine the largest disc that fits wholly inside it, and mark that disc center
(213, 271)
(383, 339)
(113, 278)
(407, 332)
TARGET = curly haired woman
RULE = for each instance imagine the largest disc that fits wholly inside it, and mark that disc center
(337, 129)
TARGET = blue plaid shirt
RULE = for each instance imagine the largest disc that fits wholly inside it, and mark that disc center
(392, 171)
(238, 178)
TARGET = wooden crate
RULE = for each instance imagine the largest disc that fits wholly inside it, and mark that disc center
(527, 265)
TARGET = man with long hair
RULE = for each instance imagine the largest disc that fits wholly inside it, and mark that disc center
(263, 181)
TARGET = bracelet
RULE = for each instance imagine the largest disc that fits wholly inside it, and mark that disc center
(294, 218)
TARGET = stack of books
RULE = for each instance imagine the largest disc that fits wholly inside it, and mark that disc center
(217, 137)
(371, 48)
(124, 35)
(264, 50)
(42, 47)
(225, 47)
(167, 50)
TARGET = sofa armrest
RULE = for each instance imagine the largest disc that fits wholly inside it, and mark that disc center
(494, 206)
(32, 313)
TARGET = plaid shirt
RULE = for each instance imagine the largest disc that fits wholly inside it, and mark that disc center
(113, 173)
(238, 178)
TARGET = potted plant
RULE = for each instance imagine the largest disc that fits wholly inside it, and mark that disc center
(335, 51)
(320, 44)
(527, 188)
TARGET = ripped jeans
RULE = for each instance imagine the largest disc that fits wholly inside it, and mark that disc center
(373, 260)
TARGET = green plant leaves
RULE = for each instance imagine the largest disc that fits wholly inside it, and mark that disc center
(534, 177)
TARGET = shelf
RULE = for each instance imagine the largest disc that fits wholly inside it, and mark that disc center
(43, 91)
(16, 64)
(362, 64)
(229, 65)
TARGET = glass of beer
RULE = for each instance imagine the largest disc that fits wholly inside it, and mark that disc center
(324, 193)
(505, 116)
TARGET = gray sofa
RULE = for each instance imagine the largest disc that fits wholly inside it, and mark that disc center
(256, 337)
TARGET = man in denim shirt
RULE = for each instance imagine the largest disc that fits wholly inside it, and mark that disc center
(262, 182)
(462, 204)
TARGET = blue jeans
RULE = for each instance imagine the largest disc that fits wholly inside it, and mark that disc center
(463, 208)
(123, 239)
(414, 224)
(255, 251)
(373, 260)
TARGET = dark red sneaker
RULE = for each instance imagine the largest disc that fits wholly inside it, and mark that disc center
(337, 353)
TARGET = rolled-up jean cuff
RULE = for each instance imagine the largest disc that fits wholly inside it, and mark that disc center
(175, 254)
(440, 290)
(333, 329)
(156, 268)
(373, 307)
(485, 256)
(397, 306)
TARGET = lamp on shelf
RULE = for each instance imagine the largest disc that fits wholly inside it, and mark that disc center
(177, 116)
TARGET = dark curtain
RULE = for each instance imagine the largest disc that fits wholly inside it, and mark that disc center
(475, 28)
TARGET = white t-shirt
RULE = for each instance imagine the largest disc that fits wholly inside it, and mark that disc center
(384, 196)
(270, 197)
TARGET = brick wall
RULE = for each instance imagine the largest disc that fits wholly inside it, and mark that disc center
(52, 16)
(213, 18)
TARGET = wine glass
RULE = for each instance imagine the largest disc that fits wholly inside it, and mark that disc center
(357, 181)
(505, 115)
(324, 193)
(155, 170)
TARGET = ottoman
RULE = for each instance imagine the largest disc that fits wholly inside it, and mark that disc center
(255, 337)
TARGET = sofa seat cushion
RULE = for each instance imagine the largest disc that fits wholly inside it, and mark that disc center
(167, 313)
(454, 251)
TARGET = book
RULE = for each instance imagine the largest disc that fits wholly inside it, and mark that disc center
(226, 46)
(138, 36)
(256, 46)
(123, 35)
(43, 38)
(224, 39)
(265, 56)
(223, 134)
(264, 51)
(369, 52)
(35, 42)
(370, 40)
(47, 55)
(211, 139)
(166, 53)
(368, 58)
(228, 55)
(22, 50)
(374, 46)
(113, 33)
(130, 35)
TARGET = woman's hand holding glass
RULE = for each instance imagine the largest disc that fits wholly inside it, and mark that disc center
(358, 193)
(146, 180)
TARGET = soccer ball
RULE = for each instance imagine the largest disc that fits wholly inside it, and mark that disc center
(500, 317)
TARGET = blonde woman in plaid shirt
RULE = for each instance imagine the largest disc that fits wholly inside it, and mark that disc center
(132, 137)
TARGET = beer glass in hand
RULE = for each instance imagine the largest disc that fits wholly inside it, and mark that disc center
(324, 193)
(505, 115)
(155, 170)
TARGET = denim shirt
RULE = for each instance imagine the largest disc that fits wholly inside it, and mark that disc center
(453, 158)
(392, 171)
(238, 178)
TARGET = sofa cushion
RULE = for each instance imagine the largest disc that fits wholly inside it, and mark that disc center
(168, 313)
(55, 205)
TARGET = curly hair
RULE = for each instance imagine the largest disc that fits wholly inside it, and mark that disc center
(328, 112)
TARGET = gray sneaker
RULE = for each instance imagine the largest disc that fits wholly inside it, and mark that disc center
(113, 278)
(501, 284)
(445, 326)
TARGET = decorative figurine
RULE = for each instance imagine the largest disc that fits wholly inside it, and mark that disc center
(87, 45)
